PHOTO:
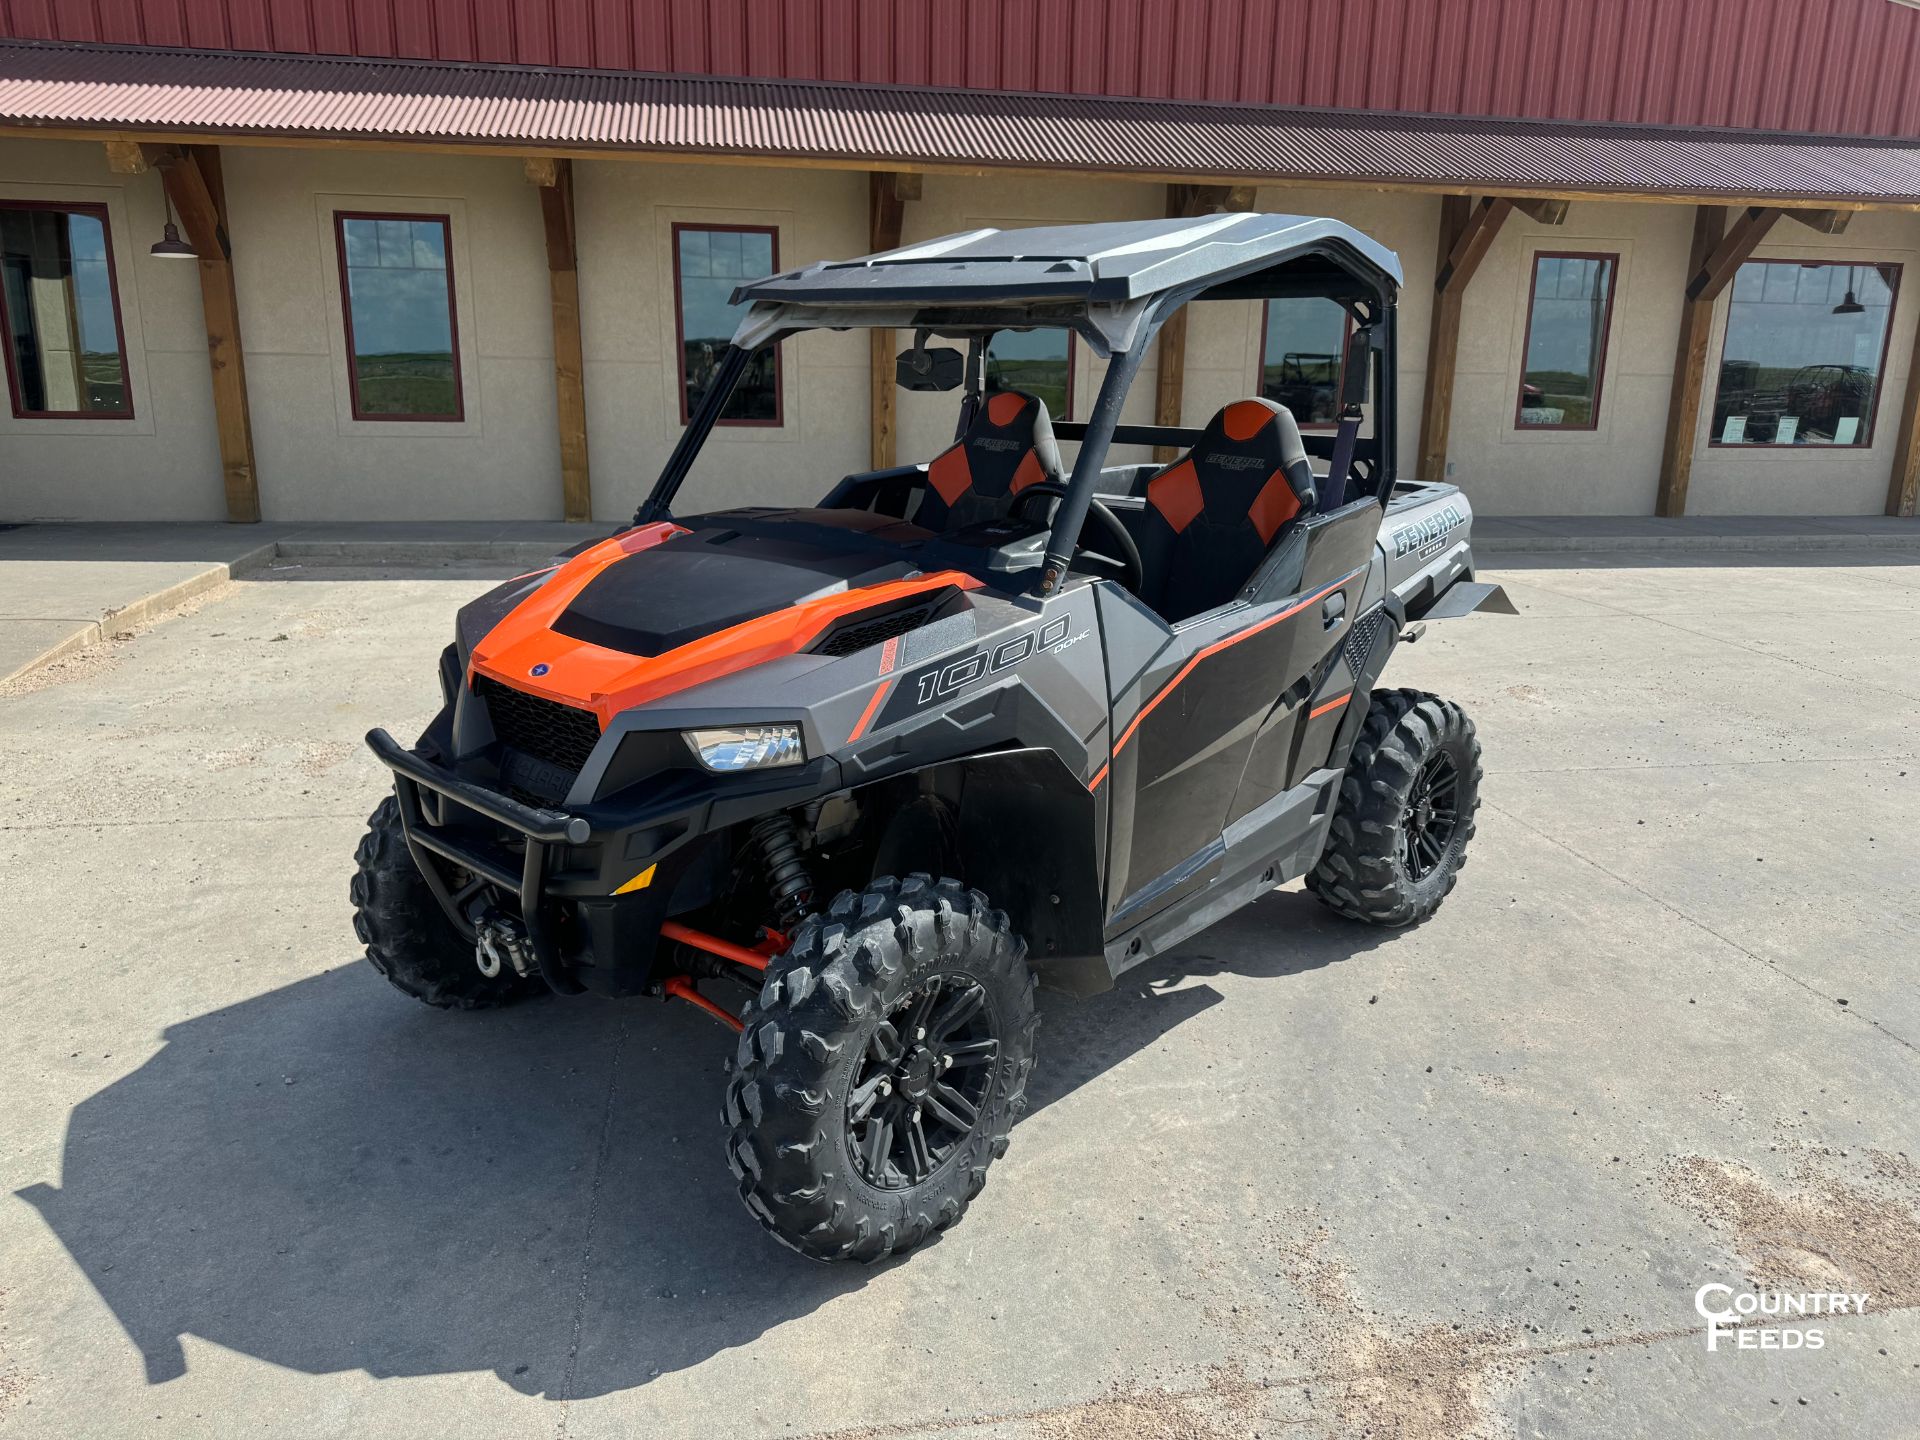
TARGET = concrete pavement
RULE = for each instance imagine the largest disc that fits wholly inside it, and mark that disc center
(1300, 1178)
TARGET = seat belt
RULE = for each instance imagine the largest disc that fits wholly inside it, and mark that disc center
(1334, 495)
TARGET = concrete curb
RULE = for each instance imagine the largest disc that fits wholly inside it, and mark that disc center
(139, 612)
(414, 552)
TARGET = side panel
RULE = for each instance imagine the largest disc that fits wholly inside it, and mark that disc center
(1182, 755)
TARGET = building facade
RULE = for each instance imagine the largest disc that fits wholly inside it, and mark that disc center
(465, 261)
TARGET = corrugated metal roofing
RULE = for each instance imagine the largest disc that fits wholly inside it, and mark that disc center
(214, 92)
(1834, 67)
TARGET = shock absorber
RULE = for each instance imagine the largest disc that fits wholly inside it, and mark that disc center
(788, 883)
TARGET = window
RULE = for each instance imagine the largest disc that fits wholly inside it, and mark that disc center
(396, 284)
(708, 261)
(1568, 312)
(1039, 362)
(1303, 356)
(66, 354)
(1806, 344)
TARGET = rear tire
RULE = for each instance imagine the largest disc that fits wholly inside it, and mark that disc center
(881, 1068)
(408, 936)
(1390, 859)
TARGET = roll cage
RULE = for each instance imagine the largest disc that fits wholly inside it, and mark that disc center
(1114, 285)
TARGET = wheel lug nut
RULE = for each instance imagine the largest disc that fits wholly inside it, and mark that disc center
(946, 1062)
(920, 1033)
(886, 1087)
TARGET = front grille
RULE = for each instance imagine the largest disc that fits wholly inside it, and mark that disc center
(559, 734)
(861, 633)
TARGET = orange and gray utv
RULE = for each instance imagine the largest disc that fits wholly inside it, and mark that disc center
(853, 777)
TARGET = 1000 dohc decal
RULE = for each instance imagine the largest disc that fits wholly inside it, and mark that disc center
(932, 684)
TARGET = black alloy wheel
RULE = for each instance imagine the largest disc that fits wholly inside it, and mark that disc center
(922, 1082)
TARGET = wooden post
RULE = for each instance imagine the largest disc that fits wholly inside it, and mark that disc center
(193, 184)
(1184, 202)
(1903, 486)
(1467, 232)
(555, 181)
(1689, 370)
(887, 197)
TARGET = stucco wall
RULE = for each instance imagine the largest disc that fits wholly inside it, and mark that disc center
(625, 212)
(163, 463)
(315, 461)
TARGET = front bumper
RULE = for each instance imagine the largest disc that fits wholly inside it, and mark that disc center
(565, 868)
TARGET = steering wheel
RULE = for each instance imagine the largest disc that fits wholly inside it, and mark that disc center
(1124, 566)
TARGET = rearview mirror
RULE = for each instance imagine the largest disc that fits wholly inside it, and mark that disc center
(940, 368)
(1359, 370)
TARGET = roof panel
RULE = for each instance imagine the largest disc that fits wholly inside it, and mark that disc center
(54, 84)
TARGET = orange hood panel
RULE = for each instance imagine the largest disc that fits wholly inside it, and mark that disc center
(605, 681)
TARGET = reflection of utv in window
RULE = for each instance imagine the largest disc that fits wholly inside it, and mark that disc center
(965, 725)
(1824, 395)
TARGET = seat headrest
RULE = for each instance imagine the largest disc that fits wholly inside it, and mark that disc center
(1009, 421)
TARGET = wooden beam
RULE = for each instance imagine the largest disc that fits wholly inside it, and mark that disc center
(1443, 343)
(1827, 222)
(193, 183)
(1903, 485)
(569, 368)
(1457, 267)
(543, 170)
(126, 157)
(1710, 276)
(1543, 212)
(887, 197)
(1689, 368)
(1185, 202)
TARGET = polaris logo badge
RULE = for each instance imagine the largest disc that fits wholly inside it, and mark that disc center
(990, 442)
(539, 670)
(969, 668)
(1425, 535)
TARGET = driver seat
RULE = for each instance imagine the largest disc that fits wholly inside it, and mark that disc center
(1213, 514)
(1008, 447)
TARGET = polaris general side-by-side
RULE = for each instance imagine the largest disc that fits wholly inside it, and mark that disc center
(853, 778)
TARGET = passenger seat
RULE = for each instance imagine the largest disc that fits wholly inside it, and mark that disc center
(1008, 447)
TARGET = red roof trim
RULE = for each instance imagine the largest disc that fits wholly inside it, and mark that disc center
(53, 84)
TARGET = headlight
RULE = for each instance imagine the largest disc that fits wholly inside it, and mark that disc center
(748, 747)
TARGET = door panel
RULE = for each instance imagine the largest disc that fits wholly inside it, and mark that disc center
(1179, 760)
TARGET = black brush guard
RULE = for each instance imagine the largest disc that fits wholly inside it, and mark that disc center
(429, 844)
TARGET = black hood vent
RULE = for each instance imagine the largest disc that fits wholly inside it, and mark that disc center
(867, 628)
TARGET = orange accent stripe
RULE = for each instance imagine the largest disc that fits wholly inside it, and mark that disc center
(1098, 776)
(866, 715)
(1215, 649)
(1334, 704)
(888, 653)
(609, 681)
(680, 987)
(714, 945)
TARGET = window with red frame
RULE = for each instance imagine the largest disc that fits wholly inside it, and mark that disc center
(708, 262)
(1303, 357)
(1804, 352)
(1039, 362)
(66, 354)
(396, 289)
(1569, 310)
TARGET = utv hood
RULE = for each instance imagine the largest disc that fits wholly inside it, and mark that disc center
(663, 607)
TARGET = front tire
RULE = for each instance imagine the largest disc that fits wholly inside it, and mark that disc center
(881, 1069)
(1407, 802)
(408, 937)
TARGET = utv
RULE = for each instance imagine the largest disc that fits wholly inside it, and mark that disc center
(965, 725)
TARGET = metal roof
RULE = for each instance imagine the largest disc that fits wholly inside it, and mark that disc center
(197, 92)
(1109, 262)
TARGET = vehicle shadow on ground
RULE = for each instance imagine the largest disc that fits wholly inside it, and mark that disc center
(329, 1179)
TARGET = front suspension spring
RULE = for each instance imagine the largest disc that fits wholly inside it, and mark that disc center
(789, 885)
